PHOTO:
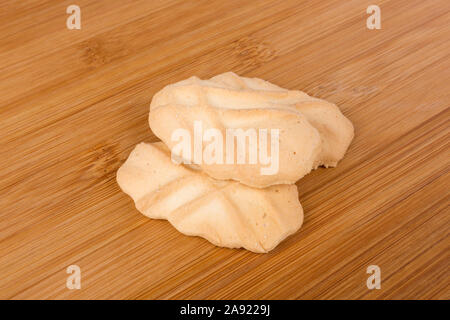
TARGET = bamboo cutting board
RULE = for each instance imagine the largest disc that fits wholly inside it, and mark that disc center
(74, 103)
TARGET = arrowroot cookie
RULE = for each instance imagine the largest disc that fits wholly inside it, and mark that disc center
(301, 132)
(226, 213)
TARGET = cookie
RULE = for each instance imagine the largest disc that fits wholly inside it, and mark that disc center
(226, 213)
(301, 132)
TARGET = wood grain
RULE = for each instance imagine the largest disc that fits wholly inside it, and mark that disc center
(75, 102)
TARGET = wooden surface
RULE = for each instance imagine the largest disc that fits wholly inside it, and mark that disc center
(75, 102)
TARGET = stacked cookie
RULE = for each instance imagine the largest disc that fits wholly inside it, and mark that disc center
(232, 149)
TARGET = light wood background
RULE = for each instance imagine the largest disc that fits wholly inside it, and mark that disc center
(75, 102)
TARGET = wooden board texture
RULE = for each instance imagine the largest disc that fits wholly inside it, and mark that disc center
(75, 102)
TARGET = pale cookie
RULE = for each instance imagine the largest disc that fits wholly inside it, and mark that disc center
(226, 213)
(312, 132)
